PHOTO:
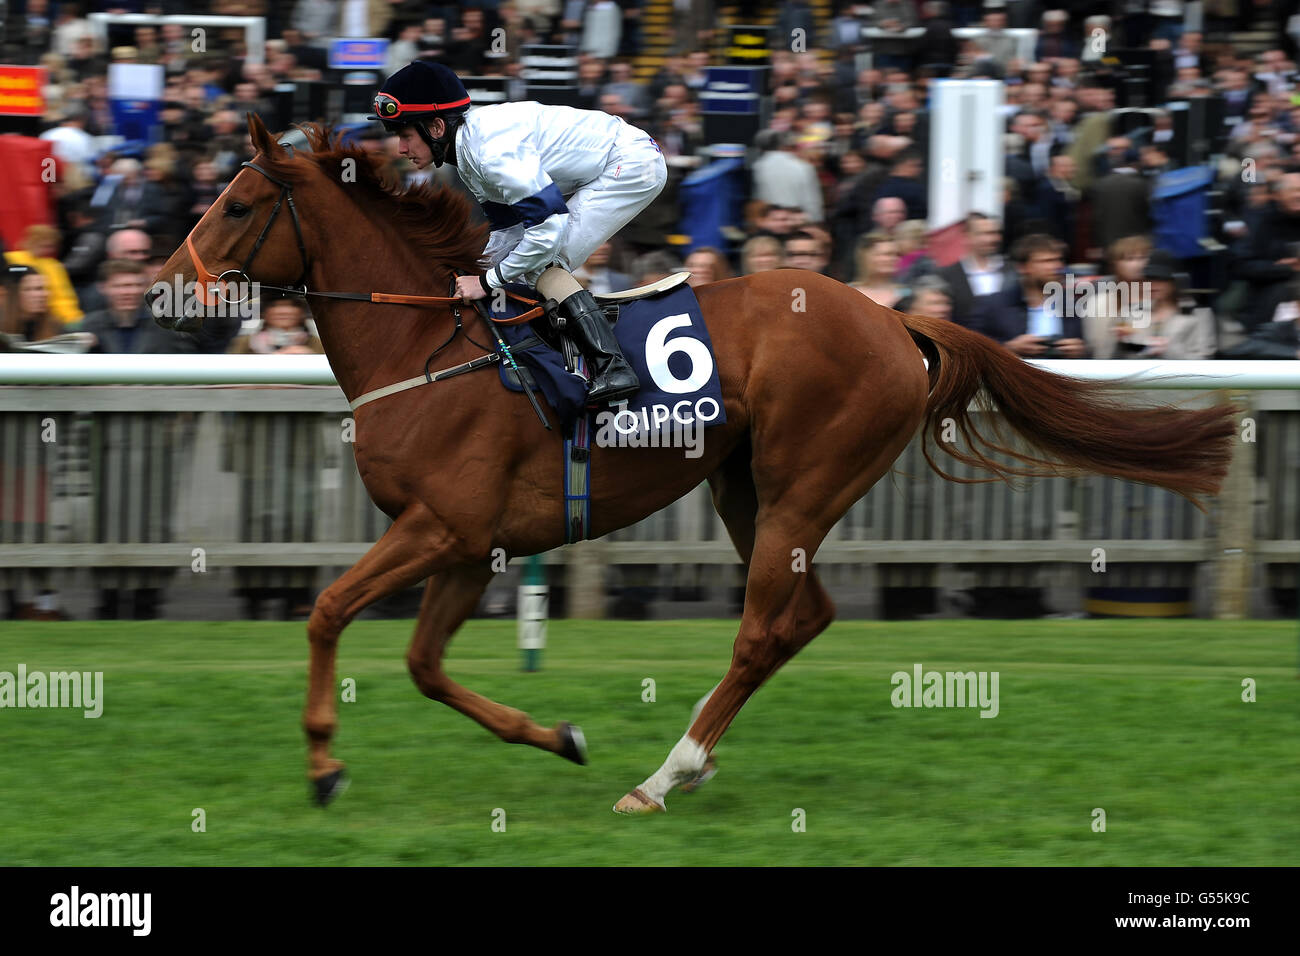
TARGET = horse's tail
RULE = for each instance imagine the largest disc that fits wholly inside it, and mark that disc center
(1074, 426)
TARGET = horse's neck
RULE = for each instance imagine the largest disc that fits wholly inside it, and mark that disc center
(371, 345)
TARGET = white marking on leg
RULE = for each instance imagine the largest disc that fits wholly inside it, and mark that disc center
(683, 763)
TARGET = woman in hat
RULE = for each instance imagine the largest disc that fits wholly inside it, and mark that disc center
(1160, 322)
(1105, 315)
(555, 182)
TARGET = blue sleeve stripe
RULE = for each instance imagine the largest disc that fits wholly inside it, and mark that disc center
(540, 207)
(500, 216)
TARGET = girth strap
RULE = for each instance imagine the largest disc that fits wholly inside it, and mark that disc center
(577, 470)
(473, 365)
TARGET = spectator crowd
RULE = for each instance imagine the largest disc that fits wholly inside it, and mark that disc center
(837, 177)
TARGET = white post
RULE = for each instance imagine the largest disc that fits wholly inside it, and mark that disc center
(966, 155)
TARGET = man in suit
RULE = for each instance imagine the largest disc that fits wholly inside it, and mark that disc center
(981, 272)
(1121, 203)
(1272, 251)
(1092, 129)
(1030, 316)
(127, 200)
(1054, 42)
(1019, 170)
(1058, 200)
(1031, 127)
(938, 46)
(126, 325)
(1236, 94)
(904, 182)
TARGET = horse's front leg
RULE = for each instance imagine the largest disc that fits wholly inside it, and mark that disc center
(415, 546)
(449, 598)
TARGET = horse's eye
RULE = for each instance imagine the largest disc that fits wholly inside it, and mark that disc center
(237, 210)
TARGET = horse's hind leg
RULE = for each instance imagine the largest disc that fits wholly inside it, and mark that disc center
(814, 612)
(449, 598)
(736, 501)
(785, 608)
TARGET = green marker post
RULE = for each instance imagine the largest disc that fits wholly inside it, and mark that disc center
(533, 600)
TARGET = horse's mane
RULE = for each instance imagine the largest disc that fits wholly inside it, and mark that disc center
(437, 219)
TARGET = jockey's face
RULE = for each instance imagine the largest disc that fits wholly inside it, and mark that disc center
(414, 148)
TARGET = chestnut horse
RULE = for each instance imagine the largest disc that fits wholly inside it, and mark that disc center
(823, 390)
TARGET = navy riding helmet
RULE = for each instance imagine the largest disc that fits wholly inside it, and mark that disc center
(418, 92)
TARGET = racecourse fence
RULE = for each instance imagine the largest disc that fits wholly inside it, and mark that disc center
(250, 489)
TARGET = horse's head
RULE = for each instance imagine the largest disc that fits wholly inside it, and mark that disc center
(251, 233)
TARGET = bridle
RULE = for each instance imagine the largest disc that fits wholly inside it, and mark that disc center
(217, 284)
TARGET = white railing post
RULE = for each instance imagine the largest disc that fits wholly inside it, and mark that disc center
(1234, 548)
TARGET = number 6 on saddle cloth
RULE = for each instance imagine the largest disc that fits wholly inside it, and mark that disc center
(663, 336)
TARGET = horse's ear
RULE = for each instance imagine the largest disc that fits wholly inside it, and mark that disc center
(263, 142)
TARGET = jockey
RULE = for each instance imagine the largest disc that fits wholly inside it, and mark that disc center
(520, 161)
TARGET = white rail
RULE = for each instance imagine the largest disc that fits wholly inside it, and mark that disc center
(33, 369)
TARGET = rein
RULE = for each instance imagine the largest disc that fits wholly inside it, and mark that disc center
(216, 285)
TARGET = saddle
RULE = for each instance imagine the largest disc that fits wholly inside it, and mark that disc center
(551, 330)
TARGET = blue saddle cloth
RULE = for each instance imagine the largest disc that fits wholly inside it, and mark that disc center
(667, 344)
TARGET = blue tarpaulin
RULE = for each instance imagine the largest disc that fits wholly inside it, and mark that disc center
(1179, 204)
(711, 198)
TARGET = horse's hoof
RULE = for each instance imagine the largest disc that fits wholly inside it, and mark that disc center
(326, 788)
(573, 745)
(638, 802)
(704, 776)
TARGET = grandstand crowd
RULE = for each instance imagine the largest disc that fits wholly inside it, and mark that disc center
(836, 177)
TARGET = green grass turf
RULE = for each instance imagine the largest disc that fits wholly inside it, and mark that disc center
(1143, 719)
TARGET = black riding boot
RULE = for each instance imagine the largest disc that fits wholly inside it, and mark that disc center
(612, 379)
